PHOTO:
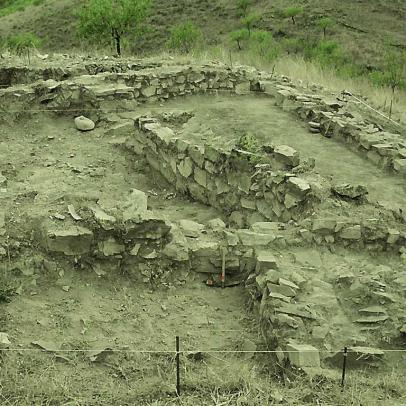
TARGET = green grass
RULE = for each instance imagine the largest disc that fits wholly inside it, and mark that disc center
(11, 6)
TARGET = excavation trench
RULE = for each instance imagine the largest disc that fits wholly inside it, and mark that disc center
(112, 234)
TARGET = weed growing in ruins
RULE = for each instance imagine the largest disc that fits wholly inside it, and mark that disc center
(248, 142)
(185, 37)
(105, 20)
(23, 44)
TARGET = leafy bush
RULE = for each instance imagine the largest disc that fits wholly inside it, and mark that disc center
(23, 44)
(292, 12)
(248, 142)
(293, 45)
(184, 37)
(326, 53)
(263, 44)
(104, 20)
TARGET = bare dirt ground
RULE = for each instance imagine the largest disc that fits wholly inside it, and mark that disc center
(104, 318)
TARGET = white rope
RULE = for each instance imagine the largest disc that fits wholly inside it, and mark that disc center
(345, 92)
(107, 349)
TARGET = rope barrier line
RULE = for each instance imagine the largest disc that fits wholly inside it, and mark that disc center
(373, 109)
(156, 108)
(186, 351)
(85, 109)
(212, 90)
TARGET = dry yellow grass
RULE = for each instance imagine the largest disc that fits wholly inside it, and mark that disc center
(299, 69)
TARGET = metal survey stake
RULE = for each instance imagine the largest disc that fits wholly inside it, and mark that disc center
(177, 367)
(344, 366)
(223, 268)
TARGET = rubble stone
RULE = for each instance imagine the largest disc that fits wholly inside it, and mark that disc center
(265, 227)
(135, 205)
(69, 240)
(4, 341)
(265, 260)
(324, 225)
(269, 276)
(287, 155)
(216, 225)
(299, 186)
(84, 124)
(281, 289)
(351, 233)
(350, 191)
(303, 355)
(111, 247)
(400, 166)
(251, 239)
(106, 221)
(191, 228)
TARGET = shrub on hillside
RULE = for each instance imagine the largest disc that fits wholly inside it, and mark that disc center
(263, 44)
(112, 20)
(292, 45)
(184, 37)
(326, 53)
(22, 44)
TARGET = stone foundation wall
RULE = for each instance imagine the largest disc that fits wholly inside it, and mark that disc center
(157, 84)
(333, 117)
(228, 180)
(17, 75)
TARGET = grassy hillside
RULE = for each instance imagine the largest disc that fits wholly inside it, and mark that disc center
(364, 31)
(362, 27)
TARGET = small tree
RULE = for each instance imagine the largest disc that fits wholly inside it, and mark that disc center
(393, 75)
(249, 21)
(239, 36)
(243, 6)
(102, 20)
(184, 37)
(23, 44)
(324, 23)
(292, 12)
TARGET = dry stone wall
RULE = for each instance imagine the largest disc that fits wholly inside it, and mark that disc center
(228, 180)
(90, 92)
(333, 117)
(11, 75)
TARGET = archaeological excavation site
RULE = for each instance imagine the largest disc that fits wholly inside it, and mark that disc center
(260, 220)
